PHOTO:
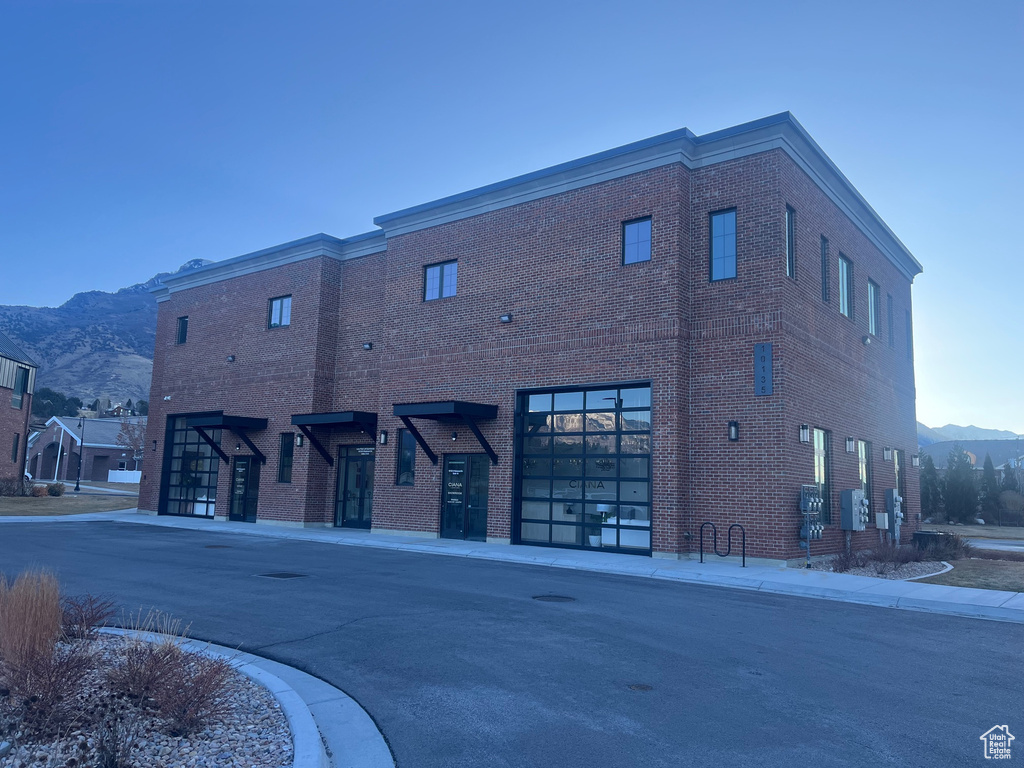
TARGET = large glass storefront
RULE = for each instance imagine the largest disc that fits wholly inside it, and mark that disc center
(191, 472)
(584, 468)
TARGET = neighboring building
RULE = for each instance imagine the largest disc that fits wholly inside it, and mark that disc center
(56, 450)
(1002, 453)
(604, 355)
(17, 383)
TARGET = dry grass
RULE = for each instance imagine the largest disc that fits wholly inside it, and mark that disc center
(133, 487)
(982, 574)
(30, 616)
(979, 531)
(69, 504)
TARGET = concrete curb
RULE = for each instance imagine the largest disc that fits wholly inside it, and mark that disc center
(946, 568)
(329, 729)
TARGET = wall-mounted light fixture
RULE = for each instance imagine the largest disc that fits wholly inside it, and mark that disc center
(805, 433)
(383, 437)
(887, 453)
(915, 460)
(154, 445)
(299, 439)
(734, 431)
(166, 398)
(367, 345)
(866, 340)
(238, 446)
(506, 318)
(455, 435)
(851, 445)
(231, 358)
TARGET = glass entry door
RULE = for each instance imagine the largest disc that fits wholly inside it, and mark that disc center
(464, 500)
(245, 487)
(354, 502)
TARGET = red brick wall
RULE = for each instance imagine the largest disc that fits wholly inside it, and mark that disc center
(13, 421)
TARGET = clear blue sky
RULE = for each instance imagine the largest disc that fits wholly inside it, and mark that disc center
(137, 135)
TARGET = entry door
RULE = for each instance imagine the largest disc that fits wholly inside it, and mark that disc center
(355, 487)
(245, 488)
(464, 500)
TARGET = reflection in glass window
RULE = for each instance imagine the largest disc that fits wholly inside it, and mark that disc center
(280, 312)
(406, 471)
(440, 280)
(636, 241)
(723, 245)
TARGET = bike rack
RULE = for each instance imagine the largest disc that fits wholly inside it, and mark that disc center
(728, 536)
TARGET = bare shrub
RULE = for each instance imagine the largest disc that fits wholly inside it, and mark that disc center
(29, 617)
(194, 691)
(81, 616)
(845, 561)
(43, 687)
(949, 546)
(118, 736)
(140, 668)
(38, 491)
(55, 489)
(10, 486)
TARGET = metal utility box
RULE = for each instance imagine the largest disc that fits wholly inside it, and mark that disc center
(810, 499)
(853, 510)
(882, 520)
(894, 506)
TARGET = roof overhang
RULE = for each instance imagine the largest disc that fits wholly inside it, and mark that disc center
(237, 425)
(364, 421)
(447, 410)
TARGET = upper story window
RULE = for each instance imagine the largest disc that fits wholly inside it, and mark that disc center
(636, 241)
(439, 280)
(723, 245)
(20, 388)
(888, 304)
(182, 335)
(845, 286)
(826, 294)
(405, 473)
(790, 242)
(874, 308)
(280, 313)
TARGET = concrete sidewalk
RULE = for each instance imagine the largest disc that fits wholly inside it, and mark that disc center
(912, 595)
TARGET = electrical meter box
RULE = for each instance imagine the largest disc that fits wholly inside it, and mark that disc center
(882, 520)
(810, 499)
(853, 510)
(894, 506)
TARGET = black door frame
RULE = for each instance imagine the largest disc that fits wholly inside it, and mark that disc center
(341, 486)
(465, 496)
(251, 493)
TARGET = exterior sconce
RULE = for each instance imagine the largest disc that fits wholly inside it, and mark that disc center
(866, 340)
(298, 440)
(734, 431)
(367, 345)
(455, 436)
(383, 437)
(805, 433)
(851, 445)
(238, 446)
(915, 460)
(154, 445)
(887, 453)
(506, 318)
(231, 358)
(167, 398)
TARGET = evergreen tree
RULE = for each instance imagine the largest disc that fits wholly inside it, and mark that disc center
(989, 491)
(1010, 476)
(142, 407)
(959, 493)
(931, 491)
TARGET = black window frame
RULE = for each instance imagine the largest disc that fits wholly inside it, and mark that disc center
(865, 471)
(442, 267)
(711, 245)
(285, 457)
(181, 333)
(404, 435)
(846, 286)
(874, 308)
(791, 242)
(21, 375)
(825, 486)
(826, 292)
(892, 332)
(14, 447)
(650, 239)
(280, 301)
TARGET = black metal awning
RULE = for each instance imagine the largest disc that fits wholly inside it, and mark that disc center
(364, 421)
(447, 410)
(237, 425)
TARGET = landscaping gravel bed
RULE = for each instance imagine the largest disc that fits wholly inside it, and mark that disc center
(249, 730)
(889, 571)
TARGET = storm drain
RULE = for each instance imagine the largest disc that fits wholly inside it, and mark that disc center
(554, 599)
(282, 575)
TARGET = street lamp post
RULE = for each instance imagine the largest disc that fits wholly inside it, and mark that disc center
(81, 454)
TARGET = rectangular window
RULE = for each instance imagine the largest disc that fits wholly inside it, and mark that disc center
(910, 337)
(723, 245)
(636, 241)
(182, 335)
(20, 388)
(14, 448)
(874, 308)
(790, 242)
(864, 466)
(823, 471)
(280, 313)
(845, 286)
(405, 474)
(439, 280)
(888, 304)
(826, 294)
(284, 457)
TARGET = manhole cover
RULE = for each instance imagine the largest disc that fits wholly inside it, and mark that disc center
(217, 546)
(640, 687)
(554, 599)
(282, 575)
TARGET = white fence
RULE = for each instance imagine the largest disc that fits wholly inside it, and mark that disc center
(124, 475)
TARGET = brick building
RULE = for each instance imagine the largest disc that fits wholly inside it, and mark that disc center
(17, 383)
(55, 451)
(603, 354)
